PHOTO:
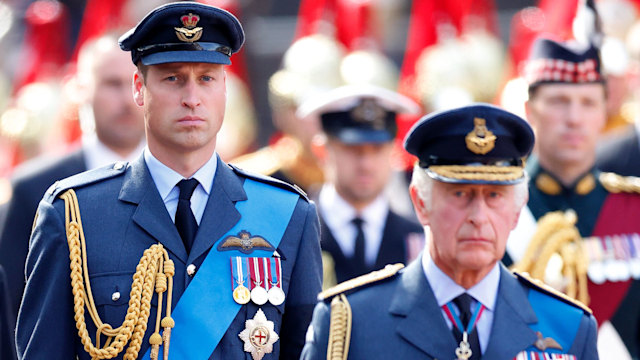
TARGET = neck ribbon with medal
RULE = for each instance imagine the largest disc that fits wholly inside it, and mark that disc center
(463, 352)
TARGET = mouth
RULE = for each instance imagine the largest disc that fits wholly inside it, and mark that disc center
(190, 120)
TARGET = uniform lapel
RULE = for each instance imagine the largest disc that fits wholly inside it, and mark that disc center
(151, 214)
(510, 332)
(391, 251)
(220, 214)
(423, 324)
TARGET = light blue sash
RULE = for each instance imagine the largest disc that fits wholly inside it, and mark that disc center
(206, 308)
(556, 320)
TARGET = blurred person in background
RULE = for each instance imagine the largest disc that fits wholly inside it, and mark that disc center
(114, 131)
(567, 107)
(359, 231)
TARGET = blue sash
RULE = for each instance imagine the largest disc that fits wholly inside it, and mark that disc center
(206, 308)
(556, 320)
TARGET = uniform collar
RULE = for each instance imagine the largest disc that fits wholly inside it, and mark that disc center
(166, 178)
(550, 185)
(445, 289)
(337, 212)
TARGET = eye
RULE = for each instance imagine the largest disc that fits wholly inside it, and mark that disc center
(171, 78)
(207, 78)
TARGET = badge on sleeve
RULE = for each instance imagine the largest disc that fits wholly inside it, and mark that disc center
(258, 336)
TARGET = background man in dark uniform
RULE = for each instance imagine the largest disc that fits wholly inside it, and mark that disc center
(360, 233)
(104, 83)
(567, 107)
(243, 254)
(457, 300)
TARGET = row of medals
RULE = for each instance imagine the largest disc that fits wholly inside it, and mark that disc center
(613, 258)
(258, 295)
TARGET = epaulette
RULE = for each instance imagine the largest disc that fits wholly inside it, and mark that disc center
(617, 183)
(270, 180)
(85, 178)
(264, 161)
(366, 279)
(542, 287)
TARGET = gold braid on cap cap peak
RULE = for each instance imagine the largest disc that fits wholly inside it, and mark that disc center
(483, 172)
(556, 233)
(155, 270)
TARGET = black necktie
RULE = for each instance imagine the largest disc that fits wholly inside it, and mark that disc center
(185, 221)
(358, 254)
(463, 302)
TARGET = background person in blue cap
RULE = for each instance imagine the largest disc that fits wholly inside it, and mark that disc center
(237, 274)
(359, 231)
(457, 300)
(567, 108)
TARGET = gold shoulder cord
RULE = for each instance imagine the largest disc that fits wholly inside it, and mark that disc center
(154, 269)
(339, 329)
(556, 233)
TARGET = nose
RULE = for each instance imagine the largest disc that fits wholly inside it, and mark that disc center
(190, 95)
(574, 114)
(478, 211)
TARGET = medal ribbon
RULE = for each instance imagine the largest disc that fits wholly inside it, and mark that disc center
(256, 278)
(455, 319)
(238, 270)
(275, 272)
(267, 280)
(200, 324)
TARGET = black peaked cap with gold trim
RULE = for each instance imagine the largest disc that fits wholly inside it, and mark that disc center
(476, 144)
(184, 32)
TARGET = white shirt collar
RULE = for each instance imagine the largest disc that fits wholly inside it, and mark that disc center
(97, 154)
(338, 214)
(445, 289)
(166, 178)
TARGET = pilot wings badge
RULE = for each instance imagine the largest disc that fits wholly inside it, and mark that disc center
(245, 243)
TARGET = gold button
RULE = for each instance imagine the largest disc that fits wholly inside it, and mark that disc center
(191, 270)
(115, 296)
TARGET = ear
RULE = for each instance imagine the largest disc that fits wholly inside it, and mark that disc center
(138, 88)
(418, 204)
(528, 108)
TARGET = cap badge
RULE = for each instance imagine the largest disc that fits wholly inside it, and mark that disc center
(245, 243)
(258, 336)
(189, 33)
(480, 140)
(369, 111)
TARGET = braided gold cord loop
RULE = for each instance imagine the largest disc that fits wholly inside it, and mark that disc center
(339, 329)
(557, 234)
(154, 272)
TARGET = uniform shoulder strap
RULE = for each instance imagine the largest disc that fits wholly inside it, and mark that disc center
(615, 183)
(544, 288)
(360, 281)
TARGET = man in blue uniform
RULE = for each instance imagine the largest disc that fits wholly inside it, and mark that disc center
(457, 300)
(176, 252)
(359, 231)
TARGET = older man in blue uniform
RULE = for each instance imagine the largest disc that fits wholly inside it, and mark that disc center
(177, 252)
(457, 301)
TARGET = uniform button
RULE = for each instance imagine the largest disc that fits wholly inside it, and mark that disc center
(115, 296)
(118, 166)
(191, 270)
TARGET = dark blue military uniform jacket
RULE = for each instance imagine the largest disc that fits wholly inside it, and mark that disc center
(122, 215)
(399, 318)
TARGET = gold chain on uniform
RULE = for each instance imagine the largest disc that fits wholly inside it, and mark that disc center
(155, 269)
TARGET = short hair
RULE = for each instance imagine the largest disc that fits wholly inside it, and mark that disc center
(92, 50)
(424, 186)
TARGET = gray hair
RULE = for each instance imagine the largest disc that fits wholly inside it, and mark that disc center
(424, 186)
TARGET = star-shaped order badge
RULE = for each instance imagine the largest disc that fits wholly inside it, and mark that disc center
(258, 336)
